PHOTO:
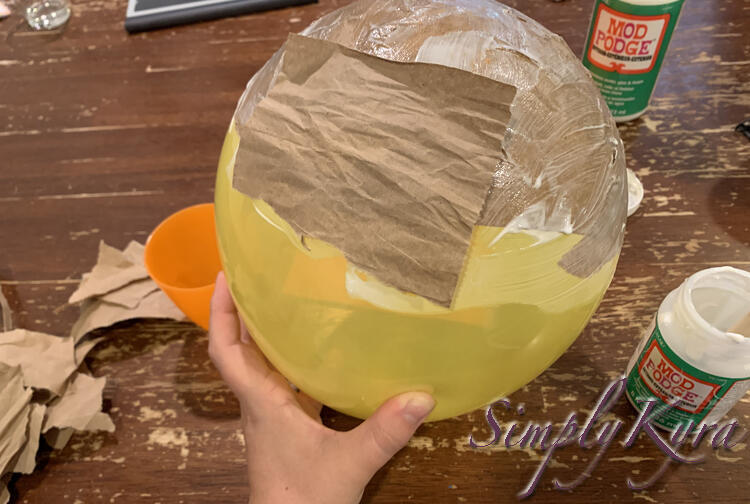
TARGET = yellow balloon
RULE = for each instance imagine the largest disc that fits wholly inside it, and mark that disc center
(352, 342)
(526, 290)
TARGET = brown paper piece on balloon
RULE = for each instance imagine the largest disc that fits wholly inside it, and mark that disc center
(390, 162)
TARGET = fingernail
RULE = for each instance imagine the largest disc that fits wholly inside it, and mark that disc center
(415, 406)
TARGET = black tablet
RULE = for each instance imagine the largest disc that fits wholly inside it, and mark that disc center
(150, 14)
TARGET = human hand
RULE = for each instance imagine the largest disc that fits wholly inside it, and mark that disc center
(291, 457)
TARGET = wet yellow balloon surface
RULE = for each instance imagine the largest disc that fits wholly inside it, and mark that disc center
(352, 342)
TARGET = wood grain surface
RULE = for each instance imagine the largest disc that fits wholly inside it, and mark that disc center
(103, 134)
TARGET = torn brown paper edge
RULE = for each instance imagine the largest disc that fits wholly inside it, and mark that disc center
(4, 493)
(134, 252)
(100, 313)
(131, 295)
(81, 403)
(15, 405)
(138, 299)
(408, 225)
(26, 459)
(5, 312)
(58, 438)
(113, 270)
(86, 345)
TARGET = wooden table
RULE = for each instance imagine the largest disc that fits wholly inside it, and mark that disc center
(103, 134)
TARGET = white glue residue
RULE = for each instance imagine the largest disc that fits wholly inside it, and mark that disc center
(455, 49)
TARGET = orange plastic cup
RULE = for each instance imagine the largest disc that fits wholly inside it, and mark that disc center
(182, 258)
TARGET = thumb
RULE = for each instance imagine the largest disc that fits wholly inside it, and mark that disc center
(381, 436)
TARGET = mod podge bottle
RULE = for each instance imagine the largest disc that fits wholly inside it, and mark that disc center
(694, 360)
(625, 49)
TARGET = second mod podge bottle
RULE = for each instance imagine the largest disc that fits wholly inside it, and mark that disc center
(625, 48)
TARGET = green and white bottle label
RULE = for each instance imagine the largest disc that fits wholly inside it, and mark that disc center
(624, 51)
(661, 374)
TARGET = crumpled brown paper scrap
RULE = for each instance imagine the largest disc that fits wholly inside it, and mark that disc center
(32, 363)
(117, 288)
(390, 162)
(80, 407)
(4, 494)
(46, 361)
(113, 270)
(15, 405)
(26, 459)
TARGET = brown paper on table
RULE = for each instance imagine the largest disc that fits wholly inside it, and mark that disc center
(131, 295)
(39, 361)
(99, 313)
(4, 494)
(26, 461)
(15, 405)
(80, 407)
(58, 438)
(117, 288)
(134, 252)
(113, 270)
(390, 162)
(46, 361)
